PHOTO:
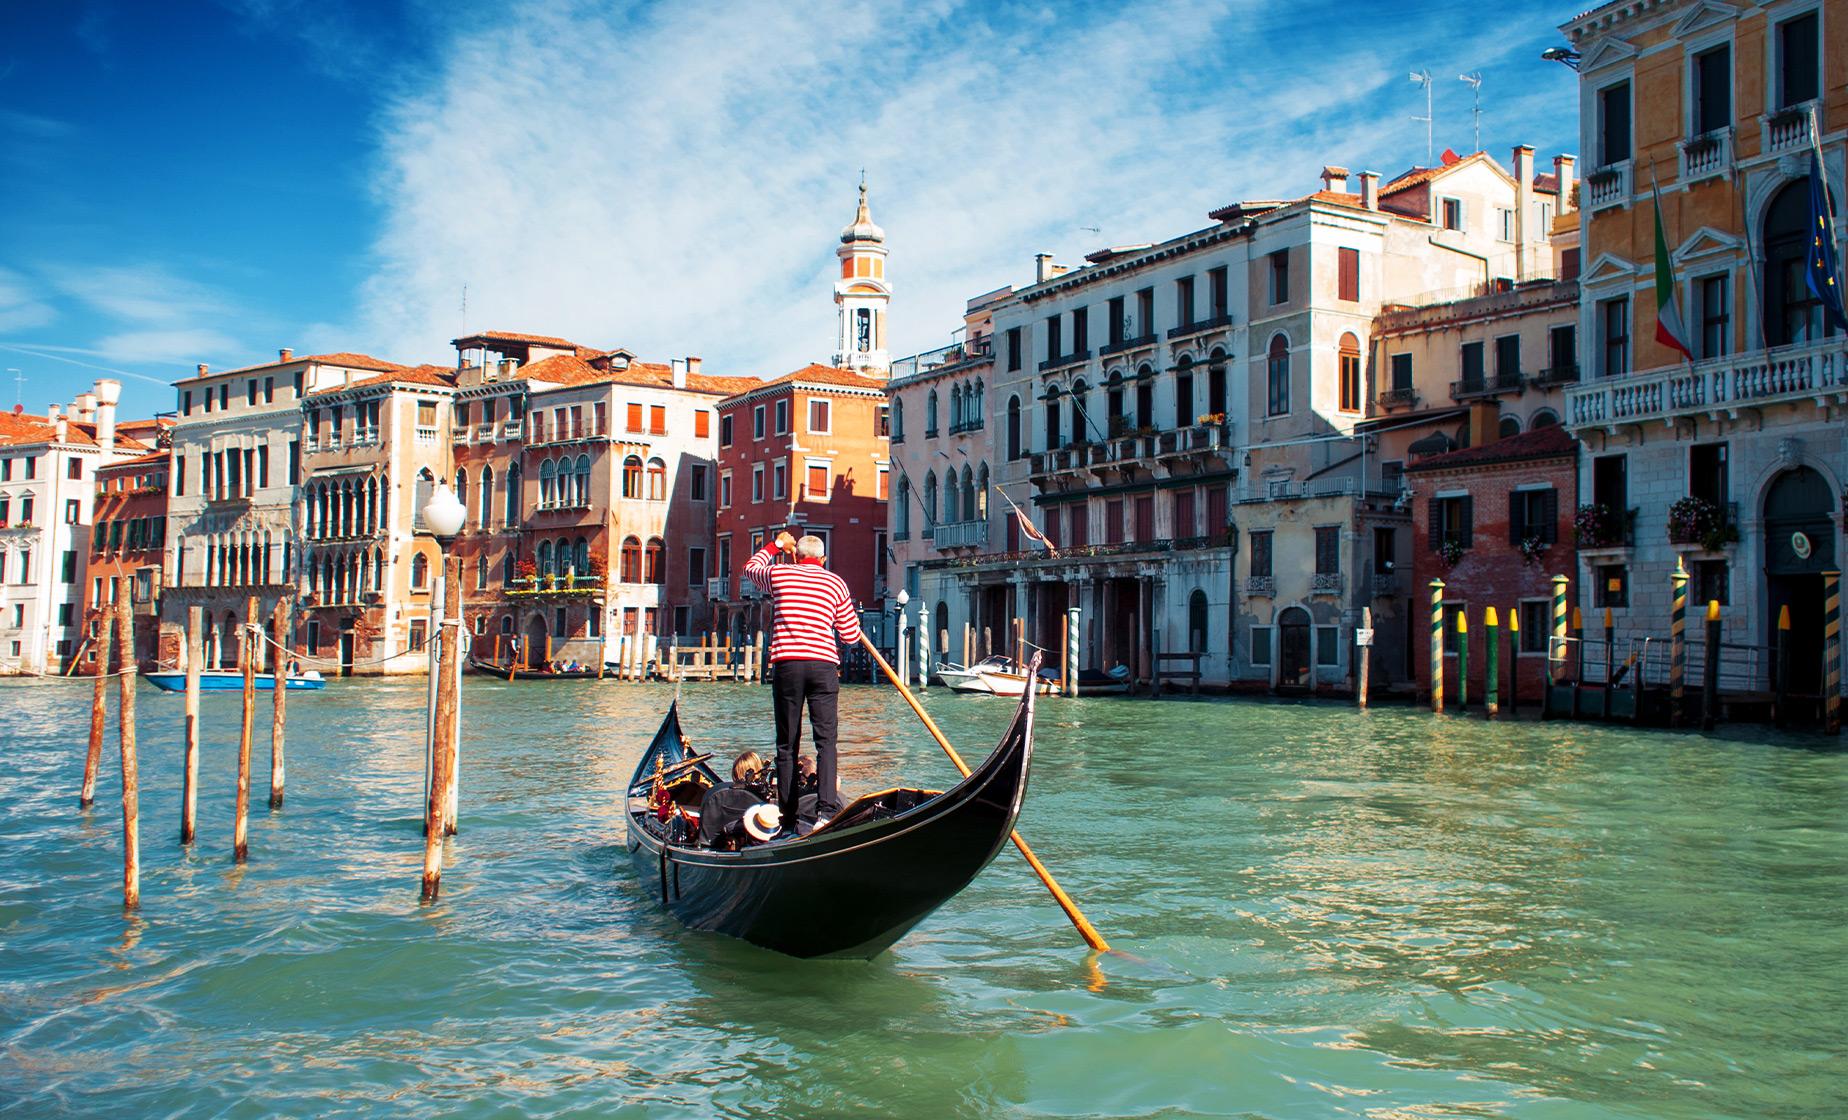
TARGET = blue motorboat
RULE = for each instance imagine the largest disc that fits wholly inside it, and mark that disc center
(232, 680)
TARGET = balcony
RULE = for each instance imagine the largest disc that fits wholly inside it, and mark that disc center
(1504, 381)
(1608, 186)
(1063, 360)
(960, 534)
(1221, 320)
(1697, 525)
(556, 586)
(1816, 371)
(484, 433)
(1325, 583)
(1385, 585)
(1260, 587)
(1555, 375)
(945, 359)
(1706, 156)
(1125, 345)
(425, 433)
(1786, 130)
(1398, 398)
(510, 429)
(718, 589)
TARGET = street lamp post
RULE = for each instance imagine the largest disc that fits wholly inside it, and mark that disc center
(443, 516)
(904, 598)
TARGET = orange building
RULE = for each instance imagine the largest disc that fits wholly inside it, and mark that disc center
(807, 452)
(129, 528)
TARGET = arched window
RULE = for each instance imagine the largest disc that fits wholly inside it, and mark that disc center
(631, 560)
(420, 570)
(1113, 402)
(462, 494)
(266, 557)
(975, 411)
(981, 492)
(1348, 365)
(1079, 424)
(930, 499)
(506, 625)
(1216, 382)
(580, 556)
(581, 493)
(487, 498)
(657, 482)
(1145, 397)
(1053, 441)
(956, 408)
(548, 483)
(655, 562)
(564, 559)
(513, 494)
(544, 554)
(378, 569)
(901, 510)
(632, 480)
(968, 494)
(1013, 428)
(1277, 364)
(930, 414)
(1545, 418)
(1510, 426)
(1184, 392)
(1196, 621)
(372, 505)
(1792, 312)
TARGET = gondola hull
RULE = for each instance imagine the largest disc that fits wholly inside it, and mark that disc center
(488, 668)
(851, 889)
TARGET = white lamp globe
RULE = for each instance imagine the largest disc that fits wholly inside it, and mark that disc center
(904, 597)
(443, 513)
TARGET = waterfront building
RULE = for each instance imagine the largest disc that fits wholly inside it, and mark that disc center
(371, 450)
(1493, 521)
(1733, 462)
(589, 478)
(1189, 423)
(808, 452)
(48, 468)
(128, 536)
(233, 527)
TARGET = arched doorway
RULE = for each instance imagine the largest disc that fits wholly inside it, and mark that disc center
(1792, 313)
(1799, 547)
(1293, 647)
(535, 642)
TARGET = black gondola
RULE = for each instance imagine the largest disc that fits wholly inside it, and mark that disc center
(850, 888)
(510, 673)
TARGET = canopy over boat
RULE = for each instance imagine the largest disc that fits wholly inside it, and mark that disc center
(848, 889)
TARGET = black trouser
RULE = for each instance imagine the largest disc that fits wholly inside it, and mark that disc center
(818, 684)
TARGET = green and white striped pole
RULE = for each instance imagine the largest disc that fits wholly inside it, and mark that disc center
(1678, 644)
(1832, 651)
(1437, 645)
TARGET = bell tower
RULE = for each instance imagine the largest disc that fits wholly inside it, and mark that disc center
(861, 296)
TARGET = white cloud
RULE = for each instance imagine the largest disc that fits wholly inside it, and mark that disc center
(674, 181)
(144, 294)
(178, 347)
(20, 306)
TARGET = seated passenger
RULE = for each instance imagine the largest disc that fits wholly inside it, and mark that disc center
(726, 817)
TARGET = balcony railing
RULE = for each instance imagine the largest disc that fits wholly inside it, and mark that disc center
(1325, 583)
(1398, 398)
(1223, 319)
(1058, 361)
(718, 589)
(1608, 186)
(426, 433)
(1123, 345)
(1384, 585)
(1814, 371)
(1706, 155)
(960, 534)
(1503, 381)
(1787, 130)
(1262, 587)
(1556, 375)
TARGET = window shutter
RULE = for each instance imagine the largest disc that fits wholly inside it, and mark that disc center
(1549, 513)
(1434, 521)
(1467, 519)
(1517, 528)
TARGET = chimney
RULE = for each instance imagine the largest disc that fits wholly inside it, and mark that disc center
(108, 392)
(679, 366)
(1523, 207)
(1042, 268)
(1484, 422)
(1563, 167)
(83, 409)
(1370, 189)
(693, 365)
(58, 424)
(202, 369)
(284, 354)
(1334, 178)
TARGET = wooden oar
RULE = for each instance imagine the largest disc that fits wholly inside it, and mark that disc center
(1085, 929)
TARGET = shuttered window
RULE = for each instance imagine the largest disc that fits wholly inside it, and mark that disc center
(635, 417)
(657, 419)
(1350, 274)
(1449, 519)
(1261, 554)
(1327, 549)
(1145, 517)
(1184, 525)
(1113, 522)
(1533, 513)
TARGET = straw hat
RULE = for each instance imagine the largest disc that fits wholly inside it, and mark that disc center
(762, 822)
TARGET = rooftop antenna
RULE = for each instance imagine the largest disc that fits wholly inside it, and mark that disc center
(1475, 85)
(465, 310)
(19, 385)
(1423, 78)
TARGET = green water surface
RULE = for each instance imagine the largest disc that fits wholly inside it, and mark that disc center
(1331, 914)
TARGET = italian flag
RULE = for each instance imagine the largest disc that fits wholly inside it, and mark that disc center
(1669, 330)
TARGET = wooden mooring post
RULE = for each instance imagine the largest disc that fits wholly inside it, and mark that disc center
(125, 727)
(1363, 649)
(1710, 675)
(240, 844)
(436, 808)
(279, 715)
(99, 708)
(189, 783)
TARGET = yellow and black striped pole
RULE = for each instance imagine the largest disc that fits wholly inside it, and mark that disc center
(1556, 644)
(1678, 644)
(1832, 652)
(1437, 645)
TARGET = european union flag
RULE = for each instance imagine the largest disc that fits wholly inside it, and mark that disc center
(1820, 269)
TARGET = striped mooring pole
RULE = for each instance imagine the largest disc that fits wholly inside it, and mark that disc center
(1071, 650)
(1832, 651)
(1678, 644)
(1491, 665)
(1463, 659)
(1556, 643)
(1437, 645)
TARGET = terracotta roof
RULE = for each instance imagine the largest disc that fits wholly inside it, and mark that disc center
(137, 461)
(342, 358)
(1546, 182)
(19, 429)
(561, 369)
(1551, 442)
(516, 336)
(398, 375)
(815, 374)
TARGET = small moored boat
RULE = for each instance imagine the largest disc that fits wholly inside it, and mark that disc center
(232, 680)
(515, 673)
(960, 679)
(849, 888)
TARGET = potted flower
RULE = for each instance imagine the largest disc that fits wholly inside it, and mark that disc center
(1533, 550)
(1594, 526)
(1692, 519)
(1451, 552)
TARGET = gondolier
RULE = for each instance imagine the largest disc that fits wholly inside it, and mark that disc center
(814, 612)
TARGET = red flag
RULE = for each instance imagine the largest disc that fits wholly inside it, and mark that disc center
(1032, 531)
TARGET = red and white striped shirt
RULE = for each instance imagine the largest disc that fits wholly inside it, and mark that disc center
(812, 606)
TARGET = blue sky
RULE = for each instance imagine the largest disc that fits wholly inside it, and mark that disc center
(207, 182)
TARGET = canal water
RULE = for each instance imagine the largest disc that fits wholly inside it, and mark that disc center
(1328, 913)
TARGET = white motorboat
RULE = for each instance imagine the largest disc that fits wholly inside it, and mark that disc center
(960, 679)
